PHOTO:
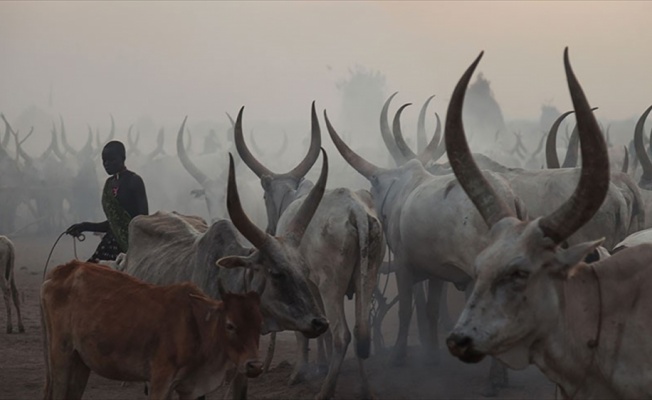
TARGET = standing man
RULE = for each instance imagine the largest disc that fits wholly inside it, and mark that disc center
(123, 198)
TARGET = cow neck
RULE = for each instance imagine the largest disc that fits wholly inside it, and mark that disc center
(569, 352)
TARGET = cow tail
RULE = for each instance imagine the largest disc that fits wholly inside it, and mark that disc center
(369, 244)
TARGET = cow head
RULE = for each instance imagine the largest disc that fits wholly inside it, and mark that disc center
(236, 324)
(287, 300)
(280, 189)
(515, 300)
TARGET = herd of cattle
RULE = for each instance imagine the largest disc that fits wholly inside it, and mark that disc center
(554, 263)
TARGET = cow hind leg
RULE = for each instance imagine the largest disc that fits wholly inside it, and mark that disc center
(78, 377)
(341, 340)
(404, 282)
(16, 298)
(6, 296)
(322, 357)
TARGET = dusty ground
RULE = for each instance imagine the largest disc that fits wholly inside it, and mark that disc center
(22, 373)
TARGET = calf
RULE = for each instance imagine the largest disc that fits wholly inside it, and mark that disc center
(8, 283)
(101, 320)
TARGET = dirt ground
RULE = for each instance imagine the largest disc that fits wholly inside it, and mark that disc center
(22, 371)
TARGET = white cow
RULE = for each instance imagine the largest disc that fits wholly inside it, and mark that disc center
(586, 326)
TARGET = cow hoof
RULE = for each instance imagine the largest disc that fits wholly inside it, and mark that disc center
(21, 329)
(322, 369)
(10, 329)
(297, 377)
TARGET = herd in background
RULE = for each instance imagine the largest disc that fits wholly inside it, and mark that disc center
(512, 238)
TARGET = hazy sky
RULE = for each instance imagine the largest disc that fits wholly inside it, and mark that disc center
(169, 59)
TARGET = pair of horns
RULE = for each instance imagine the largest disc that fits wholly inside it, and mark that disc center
(395, 141)
(260, 170)
(298, 226)
(589, 193)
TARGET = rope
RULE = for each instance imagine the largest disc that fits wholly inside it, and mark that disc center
(81, 238)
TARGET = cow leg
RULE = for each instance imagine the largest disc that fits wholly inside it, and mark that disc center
(404, 282)
(434, 295)
(239, 387)
(14, 294)
(341, 339)
(422, 313)
(322, 357)
(160, 386)
(60, 368)
(6, 296)
(270, 352)
(301, 365)
(444, 315)
(79, 374)
(364, 381)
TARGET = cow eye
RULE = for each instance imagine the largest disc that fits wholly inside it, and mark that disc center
(230, 327)
(520, 275)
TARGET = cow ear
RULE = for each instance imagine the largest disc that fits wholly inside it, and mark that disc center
(239, 261)
(566, 259)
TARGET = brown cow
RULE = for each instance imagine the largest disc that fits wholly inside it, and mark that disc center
(176, 338)
(8, 282)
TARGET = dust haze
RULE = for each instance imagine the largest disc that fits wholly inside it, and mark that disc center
(155, 62)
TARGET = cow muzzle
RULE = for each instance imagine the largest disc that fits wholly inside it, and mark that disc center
(461, 346)
(253, 368)
(319, 325)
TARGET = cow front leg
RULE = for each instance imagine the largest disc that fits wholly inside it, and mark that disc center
(270, 352)
(435, 287)
(7, 299)
(301, 366)
(497, 379)
(239, 386)
(16, 298)
(404, 282)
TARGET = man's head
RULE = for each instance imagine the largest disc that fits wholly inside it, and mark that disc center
(113, 157)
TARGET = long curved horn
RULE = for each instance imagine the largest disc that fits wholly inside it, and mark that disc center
(64, 139)
(641, 154)
(300, 170)
(160, 138)
(552, 161)
(112, 131)
(364, 167)
(185, 160)
(435, 148)
(239, 218)
(315, 144)
(305, 213)
(491, 207)
(625, 166)
(403, 147)
(594, 180)
(421, 127)
(55, 143)
(572, 153)
(259, 169)
(387, 135)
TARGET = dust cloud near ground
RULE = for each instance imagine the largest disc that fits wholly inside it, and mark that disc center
(22, 361)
